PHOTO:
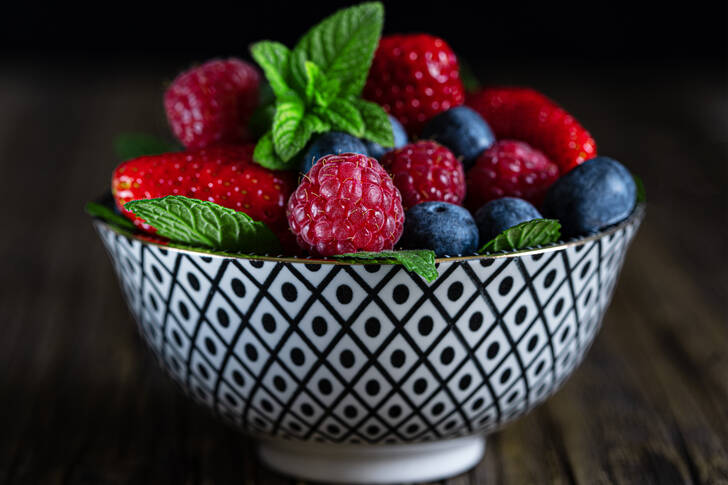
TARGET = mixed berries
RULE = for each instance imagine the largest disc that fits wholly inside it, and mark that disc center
(455, 177)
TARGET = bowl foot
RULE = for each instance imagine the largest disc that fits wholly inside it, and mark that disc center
(345, 463)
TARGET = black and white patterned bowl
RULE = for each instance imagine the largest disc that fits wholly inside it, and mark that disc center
(366, 372)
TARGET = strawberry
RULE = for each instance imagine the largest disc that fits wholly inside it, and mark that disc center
(527, 115)
(414, 77)
(225, 175)
(212, 103)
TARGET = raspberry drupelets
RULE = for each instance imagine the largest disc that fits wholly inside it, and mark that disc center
(414, 77)
(426, 171)
(212, 103)
(225, 175)
(346, 203)
(510, 168)
(527, 115)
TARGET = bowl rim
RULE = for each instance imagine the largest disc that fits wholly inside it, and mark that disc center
(636, 216)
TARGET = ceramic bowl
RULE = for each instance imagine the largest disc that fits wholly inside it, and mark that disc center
(366, 373)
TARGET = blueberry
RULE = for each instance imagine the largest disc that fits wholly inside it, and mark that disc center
(463, 131)
(400, 139)
(333, 142)
(447, 229)
(500, 214)
(596, 194)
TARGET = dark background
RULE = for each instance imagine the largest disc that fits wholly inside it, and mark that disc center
(584, 33)
(82, 402)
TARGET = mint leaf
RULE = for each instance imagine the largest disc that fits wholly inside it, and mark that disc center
(299, 74)
(266, 156)
(134, 145)
(343, 44)
(343, 115)
(290, 132)
(107, 214)
(524, 235)
(420, 261)
(468, 77)
(316, 124)
(272, 57)
(202, 223)
(641, 193)
(377, 127)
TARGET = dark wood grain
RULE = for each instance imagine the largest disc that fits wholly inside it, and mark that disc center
(81, 402)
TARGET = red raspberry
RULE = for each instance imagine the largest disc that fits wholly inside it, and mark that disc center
(212, 103)
(510, 168)
(424, 171)
(225, 175)
(527, 115)
(414, 77)
(346, 203)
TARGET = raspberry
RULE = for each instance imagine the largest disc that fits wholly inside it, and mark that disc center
(225, 175)
(346, 203)
(510, 168)
(414, 77)
(527, 115)
(426, 171)
(212, 103)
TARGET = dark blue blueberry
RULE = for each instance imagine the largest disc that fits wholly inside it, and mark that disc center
(447, 229)
(333, 142)
(463, 131)
(500, 214)
(400, 139)
(596, 194)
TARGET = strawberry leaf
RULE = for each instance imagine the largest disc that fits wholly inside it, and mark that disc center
(536, 232)
(135, 145)
(343, 44)
(203, 223)
(107, 214)
(420, 261)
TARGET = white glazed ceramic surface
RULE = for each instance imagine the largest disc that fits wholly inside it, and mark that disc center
(369, 354)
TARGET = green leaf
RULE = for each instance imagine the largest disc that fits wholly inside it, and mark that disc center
(107, 214)
(343, 115)
(134, 145)
(203, 223)
(273, 57)
(343, 44)
(299, 74)
(420, 261)
(290, 132)
(316, 124)
(527, 234)
(266, 156)
(377, 126)
(468, 77)
(641, 193)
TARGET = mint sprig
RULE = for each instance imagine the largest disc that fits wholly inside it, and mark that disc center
(420, 261)
(202, 223)
(524, 235)
(318, 85)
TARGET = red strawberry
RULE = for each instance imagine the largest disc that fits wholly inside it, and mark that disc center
(225, 175)
(510, 168)
(414, 77)
(212, 103)
(346, 203)
(527, 115)
(426, 171)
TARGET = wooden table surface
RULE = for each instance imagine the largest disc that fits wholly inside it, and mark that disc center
(82, 402)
